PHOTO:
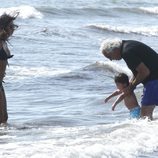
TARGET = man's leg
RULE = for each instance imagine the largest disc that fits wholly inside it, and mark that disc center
(147, 111)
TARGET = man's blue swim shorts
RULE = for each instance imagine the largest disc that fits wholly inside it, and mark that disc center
(150, 93)
(135, 112)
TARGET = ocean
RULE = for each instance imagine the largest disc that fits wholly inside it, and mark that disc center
(57, 80)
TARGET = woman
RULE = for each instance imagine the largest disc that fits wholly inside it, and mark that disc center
(7, 28)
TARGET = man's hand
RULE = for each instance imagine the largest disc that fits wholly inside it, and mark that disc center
(128, 89)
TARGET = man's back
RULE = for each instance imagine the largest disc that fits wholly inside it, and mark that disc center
(134, 53)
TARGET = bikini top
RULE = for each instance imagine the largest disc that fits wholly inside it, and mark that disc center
(3, 54)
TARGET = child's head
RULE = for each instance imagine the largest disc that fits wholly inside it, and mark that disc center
(121, 81)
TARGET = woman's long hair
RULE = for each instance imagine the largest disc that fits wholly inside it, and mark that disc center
(5, 21)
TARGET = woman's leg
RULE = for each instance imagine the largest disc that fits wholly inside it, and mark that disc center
(3, 106)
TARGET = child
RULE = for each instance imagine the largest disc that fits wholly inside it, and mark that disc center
(130, 100)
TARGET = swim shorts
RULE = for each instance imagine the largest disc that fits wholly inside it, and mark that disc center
(150, 93)
(135, 112)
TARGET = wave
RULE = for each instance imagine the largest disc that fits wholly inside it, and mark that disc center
(98, 69)
(121, 139)
(137, 10)
(25, 11)
(151, 10)
(77, 11)
(107, 11)
(20, 73)
(108, 66)
(146, 31)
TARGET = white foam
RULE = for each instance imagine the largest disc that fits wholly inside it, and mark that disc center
(123, 139)
(153, 10)
(149, 31)
(18, 72)
(24, 11)
(114, 67)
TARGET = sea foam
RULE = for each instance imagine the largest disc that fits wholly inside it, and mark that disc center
(142, 30)
(152, 10)
(24, 11)
(129, 138)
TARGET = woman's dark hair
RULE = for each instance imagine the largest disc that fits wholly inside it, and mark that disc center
(5, 21)
(122, 78)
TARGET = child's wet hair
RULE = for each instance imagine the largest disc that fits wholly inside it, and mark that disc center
(122, 78)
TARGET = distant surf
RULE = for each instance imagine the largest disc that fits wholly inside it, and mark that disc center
(142, 30)
(25, 11)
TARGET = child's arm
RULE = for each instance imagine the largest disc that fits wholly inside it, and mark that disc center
(118, 100)
(117, 92)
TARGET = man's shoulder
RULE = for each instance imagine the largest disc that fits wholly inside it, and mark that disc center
(132, 46)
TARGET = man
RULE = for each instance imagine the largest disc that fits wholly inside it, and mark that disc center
(143, 62)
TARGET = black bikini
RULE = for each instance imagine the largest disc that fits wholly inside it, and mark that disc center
(3, 55)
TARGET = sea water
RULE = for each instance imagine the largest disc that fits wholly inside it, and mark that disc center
(57, 80)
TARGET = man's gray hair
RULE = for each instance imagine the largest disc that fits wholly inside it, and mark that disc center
(109, 45)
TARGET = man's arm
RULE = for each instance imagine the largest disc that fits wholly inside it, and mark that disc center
(142, 73)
